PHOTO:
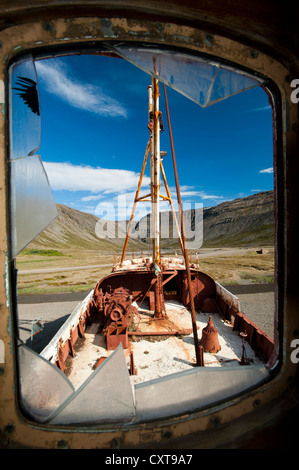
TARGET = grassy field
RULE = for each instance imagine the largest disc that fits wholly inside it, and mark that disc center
(224, 268)
(58, 280)
(231, 270)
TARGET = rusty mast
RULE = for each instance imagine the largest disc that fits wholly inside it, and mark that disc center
(155, 160)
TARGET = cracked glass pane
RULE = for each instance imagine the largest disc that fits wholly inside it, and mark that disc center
(43, 386)
(203, 81)
(106, 396)
(32, 203)
(228, 83)
(25, 120)
(190, 390)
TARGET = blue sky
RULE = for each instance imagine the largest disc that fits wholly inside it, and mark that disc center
(94, 134)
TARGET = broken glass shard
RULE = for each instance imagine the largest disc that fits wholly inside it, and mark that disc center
(32, 203)
(25, 121)
(204, 81)
(191, 390)
(105, 397)
(43, 386)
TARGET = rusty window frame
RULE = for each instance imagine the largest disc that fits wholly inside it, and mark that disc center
(275, 100)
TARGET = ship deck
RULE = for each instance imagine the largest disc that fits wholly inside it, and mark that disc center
(161, 352)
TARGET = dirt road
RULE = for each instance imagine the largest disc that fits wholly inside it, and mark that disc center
(201, 253)
(59, 269)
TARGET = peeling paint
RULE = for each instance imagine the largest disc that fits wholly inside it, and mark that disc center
(2, 94)
(209, 40)
(2, 352)
(173, 33)
(6, 277)
(107, 28)
(182, 38)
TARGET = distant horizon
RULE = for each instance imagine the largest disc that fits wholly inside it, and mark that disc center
(169, 210)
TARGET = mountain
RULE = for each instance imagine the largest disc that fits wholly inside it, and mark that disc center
(242, 222)
(76, 229)
(245, 221)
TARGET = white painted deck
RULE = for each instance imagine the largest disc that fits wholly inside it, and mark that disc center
(158, 357)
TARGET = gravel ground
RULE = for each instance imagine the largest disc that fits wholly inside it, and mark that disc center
(259, 308)
(52, 314)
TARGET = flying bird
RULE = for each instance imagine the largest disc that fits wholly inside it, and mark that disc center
(28, 93)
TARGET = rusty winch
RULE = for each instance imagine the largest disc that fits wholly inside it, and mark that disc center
(114, 310)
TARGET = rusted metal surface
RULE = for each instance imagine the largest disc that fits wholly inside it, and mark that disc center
(132, 370)
(99, 362)
(135, 203)
(209, 339)
(262, 36)
(113, 310)
(251, 23)
(183, 236)
(155, 172)
(171, 205)
(111, 306)
(209, 306)
(231, 300)
(244, 360)
(63, 342)
(159, 310)
(155, 126)
(115, 335)
(258, 339)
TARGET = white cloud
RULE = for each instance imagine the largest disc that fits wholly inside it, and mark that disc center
(120, 206)
(263, 108)
(204, 195)
(258, 109)
(92, 198)
(79, 95)
(113, 190)
(190, 193)
(187, 191)
(69, 177)
(267, 170)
